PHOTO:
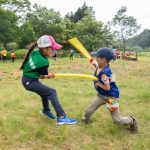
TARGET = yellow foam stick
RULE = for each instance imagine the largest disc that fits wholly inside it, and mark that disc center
(71, 75)
(78, 45)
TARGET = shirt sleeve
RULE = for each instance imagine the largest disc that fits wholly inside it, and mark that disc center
(43, 70)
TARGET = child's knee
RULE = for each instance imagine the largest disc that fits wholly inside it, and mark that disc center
(52, 92)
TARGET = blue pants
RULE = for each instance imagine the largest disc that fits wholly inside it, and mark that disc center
(46, 94)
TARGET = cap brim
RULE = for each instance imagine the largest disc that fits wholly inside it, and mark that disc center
(56, 46)
(93, 53)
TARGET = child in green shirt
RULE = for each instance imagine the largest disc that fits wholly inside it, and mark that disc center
(35, 67)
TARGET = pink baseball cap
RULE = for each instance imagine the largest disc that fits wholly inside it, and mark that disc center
(48, 41)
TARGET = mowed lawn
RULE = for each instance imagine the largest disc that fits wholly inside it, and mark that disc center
(22, 127)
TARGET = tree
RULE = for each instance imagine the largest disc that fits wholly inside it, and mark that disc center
(45, 21)
(19, 7)
(27, 35)
(125, 26)
(8, 26)
(109, 35)
(69, 29)
(81, 13)
(142, 40)
(92, 33)
(41, 20)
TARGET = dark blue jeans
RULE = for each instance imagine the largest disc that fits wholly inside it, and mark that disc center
(46, 94)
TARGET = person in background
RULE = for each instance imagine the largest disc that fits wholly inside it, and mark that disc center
(71, 54)
(115, 52)
(54, 55)
(4, 55)
(12, 55)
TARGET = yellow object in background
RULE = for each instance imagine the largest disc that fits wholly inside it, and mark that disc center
(71, 75)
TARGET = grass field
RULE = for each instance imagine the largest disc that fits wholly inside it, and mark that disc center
(23, 128)
(145, 54)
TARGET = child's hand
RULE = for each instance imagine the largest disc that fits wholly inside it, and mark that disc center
(51, 75)
(94, 63)
(98, 84)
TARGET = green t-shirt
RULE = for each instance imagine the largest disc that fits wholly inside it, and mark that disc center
(36, 61)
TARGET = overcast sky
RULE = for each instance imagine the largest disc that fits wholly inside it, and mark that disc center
(104, 9)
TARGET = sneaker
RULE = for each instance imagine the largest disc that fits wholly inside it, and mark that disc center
(134, 125)
(65, 120)
(48, 114)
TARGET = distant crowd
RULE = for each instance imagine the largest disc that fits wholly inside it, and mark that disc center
(118, 54)
(4, 55)
(124, 55)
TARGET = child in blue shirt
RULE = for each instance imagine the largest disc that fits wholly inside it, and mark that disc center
(108, 92)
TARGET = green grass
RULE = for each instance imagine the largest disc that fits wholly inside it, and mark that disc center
(23, 128)
(145, 54)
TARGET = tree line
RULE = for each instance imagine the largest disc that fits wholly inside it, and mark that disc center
(22, 23)
(142, 40)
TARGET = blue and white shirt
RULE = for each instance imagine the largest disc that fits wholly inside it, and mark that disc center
(114, 91)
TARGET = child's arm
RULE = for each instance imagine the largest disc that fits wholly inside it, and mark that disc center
(50, 75)
(106, 81)
(44, 73)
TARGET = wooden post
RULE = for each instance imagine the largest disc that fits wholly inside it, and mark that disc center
(136, 56)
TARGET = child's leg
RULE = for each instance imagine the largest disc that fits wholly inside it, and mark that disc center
(52, 95)
(117, 119)
(131, 121)
(3, 58)
(45, 102)
(55, 101)
(42, 90)
(96, 103)
(113, 106)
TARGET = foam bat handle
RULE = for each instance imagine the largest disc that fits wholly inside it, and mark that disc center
(72, 75)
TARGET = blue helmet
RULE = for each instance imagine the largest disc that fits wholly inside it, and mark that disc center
(104, 53)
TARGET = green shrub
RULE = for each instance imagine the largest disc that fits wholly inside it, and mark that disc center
(11, 46)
